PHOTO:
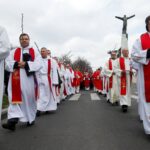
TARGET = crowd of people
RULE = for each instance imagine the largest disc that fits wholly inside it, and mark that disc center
(38, 82)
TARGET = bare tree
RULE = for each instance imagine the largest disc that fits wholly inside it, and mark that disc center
(66, 58)
(82, 64)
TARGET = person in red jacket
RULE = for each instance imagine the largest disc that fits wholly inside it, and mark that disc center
(97, 81)
(86, 80)
(77, 80)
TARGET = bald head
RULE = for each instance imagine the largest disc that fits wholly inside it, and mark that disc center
(125, 52)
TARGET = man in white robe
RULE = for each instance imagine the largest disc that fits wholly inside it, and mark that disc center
(57, 88)
(112, 78)
(141, 55)
(67, 81)
(65, 93)
(4, 52)
(71, 79)
(107, 74)
(124, 73)
(61, 72)
(48, 80)
(22, 63)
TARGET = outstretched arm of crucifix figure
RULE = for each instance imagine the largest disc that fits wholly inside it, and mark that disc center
(119, 17)
(130, 17)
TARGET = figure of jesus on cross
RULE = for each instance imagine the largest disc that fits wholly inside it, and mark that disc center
(124, 19)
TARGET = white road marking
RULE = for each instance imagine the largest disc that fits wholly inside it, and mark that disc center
(75, 97)
(95, 97)
(134, 96)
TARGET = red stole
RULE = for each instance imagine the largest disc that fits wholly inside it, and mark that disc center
(123, 82)
(145, 43)
(49, 73)
(16, 85)
(111, 78)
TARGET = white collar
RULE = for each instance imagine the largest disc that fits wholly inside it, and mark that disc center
(26, 48)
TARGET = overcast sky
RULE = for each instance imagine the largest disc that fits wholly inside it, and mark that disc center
(87, 28)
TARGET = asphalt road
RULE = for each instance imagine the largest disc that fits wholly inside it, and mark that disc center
(81, 124)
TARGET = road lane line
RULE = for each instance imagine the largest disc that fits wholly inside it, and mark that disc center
(75, 97)
(95, 97)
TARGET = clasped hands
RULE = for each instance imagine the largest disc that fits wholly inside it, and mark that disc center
(124, 73)
(21, 64)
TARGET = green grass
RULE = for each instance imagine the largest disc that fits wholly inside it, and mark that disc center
(5, 102)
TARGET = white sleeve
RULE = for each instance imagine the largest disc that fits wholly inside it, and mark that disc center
(137, 54)
(9, 62)
(4, 44)
(134, 65)
(107, 71)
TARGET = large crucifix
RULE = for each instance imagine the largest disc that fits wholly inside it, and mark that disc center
(124, 19)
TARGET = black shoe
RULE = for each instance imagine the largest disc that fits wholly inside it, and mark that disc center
(30, 124)
(9, 126)
(38, 113)
(117, 103)
(108, 101)
(47, 112)
(124, 108)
